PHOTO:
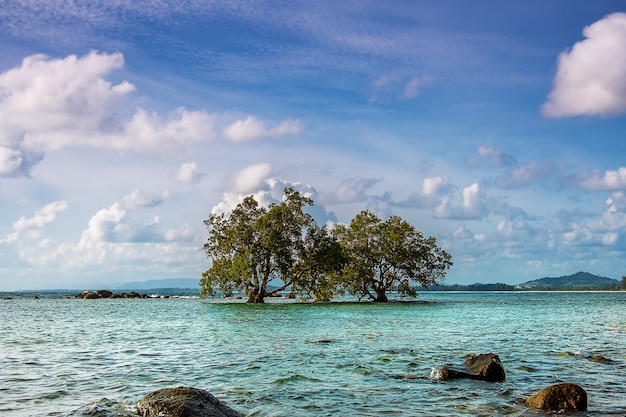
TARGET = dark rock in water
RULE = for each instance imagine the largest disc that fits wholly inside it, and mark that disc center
(90, 296)
(104, 293)
(484, 367)
(564, 396)
(600, 359)
(183, 402)
(487, 366)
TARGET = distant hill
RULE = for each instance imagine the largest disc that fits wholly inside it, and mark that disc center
(161, 283)
(578, 281)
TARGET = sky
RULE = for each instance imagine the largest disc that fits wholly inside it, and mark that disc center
(497, 127)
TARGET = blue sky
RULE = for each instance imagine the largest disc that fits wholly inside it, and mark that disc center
(497, 127)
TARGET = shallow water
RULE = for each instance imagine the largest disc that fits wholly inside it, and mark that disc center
(66, 357)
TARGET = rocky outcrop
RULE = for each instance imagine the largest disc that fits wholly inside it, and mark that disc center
(104, 293)
(564, 396)
(90, 295)
(484, 367)
(183, 402)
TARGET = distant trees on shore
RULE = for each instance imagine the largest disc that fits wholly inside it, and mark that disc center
(255, 246)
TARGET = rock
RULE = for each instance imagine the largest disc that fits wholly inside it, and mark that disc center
(183, 402)
(487, 366)
(483, 367)
(104, 293)
(88, 295)
(564, 396)
(600, 359)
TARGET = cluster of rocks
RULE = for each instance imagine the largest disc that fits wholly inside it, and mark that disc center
(91, 295)
(488, 367)
(193, 402)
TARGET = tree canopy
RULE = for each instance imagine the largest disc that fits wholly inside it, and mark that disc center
(283, 245)
(389, 256)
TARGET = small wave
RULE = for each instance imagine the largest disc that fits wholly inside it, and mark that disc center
(435, 374)
(295, 378)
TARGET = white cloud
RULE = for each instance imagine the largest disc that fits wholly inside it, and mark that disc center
(495, 157)
(350, 190)
(524, 175)
(188, 173)
(17, 162)
(112, 224)
(473, 205)
(48, 104)
(58, 94)
(591, 78)
(610, 181)
(433, 187)
(139, 200)
(252, 128)
(252, 178)
(32, 226)
(149, 132)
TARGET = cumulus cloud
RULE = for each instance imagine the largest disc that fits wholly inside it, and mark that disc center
(32, 226)
(188, 173)
(15, 162)
(493, 156)
(252, 178)
(434, 187)
(473, 205)
(591, 77)
(149, 132)
(350, 190)
(58, 94)
(270, 190)
(140, 200)
(48, 104)
(112, 224)
(609, 181)
(252, 128)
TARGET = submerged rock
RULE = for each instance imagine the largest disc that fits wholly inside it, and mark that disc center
(600, 359)
(484, 367)
(564, 396)
(183, 402)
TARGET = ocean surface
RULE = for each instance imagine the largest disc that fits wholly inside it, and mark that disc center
(67, 357)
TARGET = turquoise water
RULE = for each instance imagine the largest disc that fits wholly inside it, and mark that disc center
(66, 357)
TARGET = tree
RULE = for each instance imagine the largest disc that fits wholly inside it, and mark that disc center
(255, 246)
(623, 285)
(320, 262)
(388, 256)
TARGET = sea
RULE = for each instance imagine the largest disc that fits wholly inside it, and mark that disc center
(71, 357)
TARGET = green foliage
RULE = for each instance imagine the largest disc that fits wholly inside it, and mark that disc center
(623, 284)
(369, 258)
(255, 246)
(389, 256)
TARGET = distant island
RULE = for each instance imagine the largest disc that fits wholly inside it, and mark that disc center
(169, 283)
(579, 281)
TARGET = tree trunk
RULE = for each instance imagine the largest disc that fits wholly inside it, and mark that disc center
(381, 297)
(256, 296)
